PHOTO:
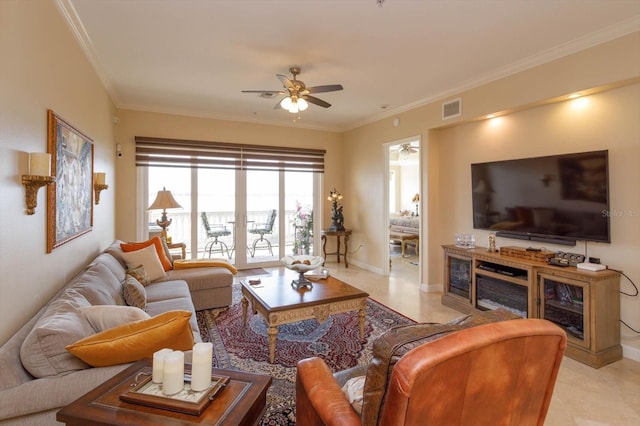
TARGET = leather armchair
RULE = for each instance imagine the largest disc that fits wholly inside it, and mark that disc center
(500, 373)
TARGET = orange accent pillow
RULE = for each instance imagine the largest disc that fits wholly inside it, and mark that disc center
(136, 340)
(157, 242)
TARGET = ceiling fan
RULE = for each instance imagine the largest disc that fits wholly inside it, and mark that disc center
(408, 148)
(405, 150)
(298, 94)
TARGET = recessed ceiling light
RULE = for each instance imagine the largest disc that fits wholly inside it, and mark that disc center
(574, 95)
(491, 116)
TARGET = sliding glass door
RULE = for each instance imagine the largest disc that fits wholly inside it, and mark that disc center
(253, 218)
(251, 204)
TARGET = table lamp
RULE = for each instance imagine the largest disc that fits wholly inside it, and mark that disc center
(164, 200)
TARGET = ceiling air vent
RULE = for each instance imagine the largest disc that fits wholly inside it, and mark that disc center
(268, 95)
(452, 109)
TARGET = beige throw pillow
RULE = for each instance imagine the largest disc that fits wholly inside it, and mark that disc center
(103, 317)
(148, 258)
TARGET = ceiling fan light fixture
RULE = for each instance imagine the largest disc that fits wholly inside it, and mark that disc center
(302, 104)
(286, 103)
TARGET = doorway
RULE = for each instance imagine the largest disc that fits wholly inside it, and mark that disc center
(402, 218)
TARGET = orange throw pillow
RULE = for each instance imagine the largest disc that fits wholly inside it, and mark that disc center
(157, 242)
(136, 340)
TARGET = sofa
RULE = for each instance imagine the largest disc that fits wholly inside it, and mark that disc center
(406, 230)
(38, 373)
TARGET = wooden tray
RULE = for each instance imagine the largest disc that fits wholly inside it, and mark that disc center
(523, 253)
(186, 401)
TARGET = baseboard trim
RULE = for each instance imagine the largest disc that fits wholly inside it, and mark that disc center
(631, 352)
(431, 288)
(365, 266)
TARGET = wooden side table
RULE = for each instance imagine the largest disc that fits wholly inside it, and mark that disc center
(338, 234)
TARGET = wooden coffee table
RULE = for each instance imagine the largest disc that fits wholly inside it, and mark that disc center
(279, 303)
(242, 402)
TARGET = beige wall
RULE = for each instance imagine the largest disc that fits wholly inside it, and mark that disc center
(534, 127)
(44, 68)
(136, 123)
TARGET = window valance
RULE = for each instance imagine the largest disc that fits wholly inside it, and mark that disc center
(159, 152)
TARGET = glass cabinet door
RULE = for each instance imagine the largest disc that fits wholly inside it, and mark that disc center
(563, 303)
(459, 276)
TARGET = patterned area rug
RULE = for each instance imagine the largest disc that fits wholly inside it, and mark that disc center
(247, 349)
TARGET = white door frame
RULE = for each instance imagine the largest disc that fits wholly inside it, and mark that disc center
(386, 266)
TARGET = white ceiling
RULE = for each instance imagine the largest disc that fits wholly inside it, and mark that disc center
(193, 57)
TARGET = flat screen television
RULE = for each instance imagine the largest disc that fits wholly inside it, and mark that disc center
(557, 199)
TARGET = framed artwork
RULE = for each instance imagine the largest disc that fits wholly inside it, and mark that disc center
(69, 199)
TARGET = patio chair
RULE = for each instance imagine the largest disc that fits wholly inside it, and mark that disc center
(213, 233)
(262, 229)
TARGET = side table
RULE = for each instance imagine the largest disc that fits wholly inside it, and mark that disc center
(242, 402)
(338, 234)
(182, 246)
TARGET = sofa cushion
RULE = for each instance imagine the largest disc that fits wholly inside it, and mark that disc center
(137, 340)
(156, 242)
(43, 351)
(134, 293)
(169, 295)
(148, 258)
(395, 343)
(103, 317)
(116, 251)
(201, 278)
(116, 268)
(167, 252)
(99, 286)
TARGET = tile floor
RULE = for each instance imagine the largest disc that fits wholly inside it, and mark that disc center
(583, 396)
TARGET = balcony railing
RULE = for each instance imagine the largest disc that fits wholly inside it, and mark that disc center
(180, 229)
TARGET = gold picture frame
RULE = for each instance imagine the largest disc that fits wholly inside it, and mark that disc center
(69, 198)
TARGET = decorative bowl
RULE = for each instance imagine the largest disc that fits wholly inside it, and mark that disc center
(302, 264)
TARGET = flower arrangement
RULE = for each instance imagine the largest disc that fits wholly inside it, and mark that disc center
(337, 217)
(302, 221)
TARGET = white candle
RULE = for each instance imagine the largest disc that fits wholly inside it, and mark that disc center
(158, 364)
(173, 373)
(201, 366)
(100, 178)
(39, 164)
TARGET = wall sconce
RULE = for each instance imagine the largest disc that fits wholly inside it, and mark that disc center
(39, 175)
(99, 185)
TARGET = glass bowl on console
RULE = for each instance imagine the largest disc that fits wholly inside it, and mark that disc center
(302, 264)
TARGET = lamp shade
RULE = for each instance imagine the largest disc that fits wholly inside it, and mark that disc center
(164, 200)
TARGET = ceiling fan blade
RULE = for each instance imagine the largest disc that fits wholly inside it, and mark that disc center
(316, 101)
(325, 88)
(277, 105)
(285, 81)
